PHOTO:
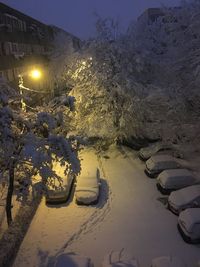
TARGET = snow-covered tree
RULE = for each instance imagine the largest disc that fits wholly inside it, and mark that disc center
(29, 144)
(64, 45)
(141, 85)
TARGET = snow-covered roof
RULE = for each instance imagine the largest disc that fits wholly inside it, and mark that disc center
(176, 177)
(87, 188)
(189, 217)
(160, 158)
(185, 195)
(86, 183)
(161, 162)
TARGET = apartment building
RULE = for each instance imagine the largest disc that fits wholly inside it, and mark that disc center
(150, 15)
(24, 42)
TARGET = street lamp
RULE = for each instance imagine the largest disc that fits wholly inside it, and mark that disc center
(34, 74)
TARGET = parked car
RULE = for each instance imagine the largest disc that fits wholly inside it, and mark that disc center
(185, 198)
(72, 260)
(174, 179)
(146, 152)
(189, 225)
(119, 259)
(87, 189)
(59, 189)
(60, 193)
(167, 261)
(158, 163)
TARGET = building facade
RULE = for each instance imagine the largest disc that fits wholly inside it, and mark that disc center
(150, 15)
(24, 42)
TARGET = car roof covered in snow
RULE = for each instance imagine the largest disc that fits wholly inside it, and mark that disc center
(172, 175)
(190, 217)
(185, 195)
(86, 183)
(161, 158)
(151, 148)
(176, 172)
(162, 162)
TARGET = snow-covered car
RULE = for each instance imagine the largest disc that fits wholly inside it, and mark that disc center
(72, 260)
(167, 261)
(60, 193)
(158, 163)
(174, 179)
(146, 152)
(185, 198)
(189, 225)
(87, 189)
(119, 259)
(60, 182)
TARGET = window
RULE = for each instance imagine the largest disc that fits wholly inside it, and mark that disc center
(8, 20)
(24, 26)
(15, 23)
(7, 48)
(14, 47)
(1, 18)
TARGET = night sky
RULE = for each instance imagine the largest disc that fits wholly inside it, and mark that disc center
(77, 16)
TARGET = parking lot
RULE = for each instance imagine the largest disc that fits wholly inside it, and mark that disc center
(130, 214)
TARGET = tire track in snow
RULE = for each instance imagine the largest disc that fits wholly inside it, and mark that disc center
(97, 216)
(110, 195)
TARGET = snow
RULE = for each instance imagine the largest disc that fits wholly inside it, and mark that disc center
(184, 196)
(130, 215)
(16, 205)
(161, 162)
(189, 217)
(149, 151)
(59, 188)
(87, 187)
(119, 259)
(87, 190)
(167, 261)
(176, 178)
(72, 260)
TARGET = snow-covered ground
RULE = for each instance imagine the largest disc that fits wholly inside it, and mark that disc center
(130, 215)
(15, 208)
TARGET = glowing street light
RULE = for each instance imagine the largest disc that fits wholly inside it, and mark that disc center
(34, 74)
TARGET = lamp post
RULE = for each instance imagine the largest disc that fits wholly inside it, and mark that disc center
(34, 74)
(21, 85)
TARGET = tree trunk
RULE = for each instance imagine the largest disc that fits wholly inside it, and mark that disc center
(10, 192)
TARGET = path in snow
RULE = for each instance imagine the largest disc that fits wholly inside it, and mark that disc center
(130, 215)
